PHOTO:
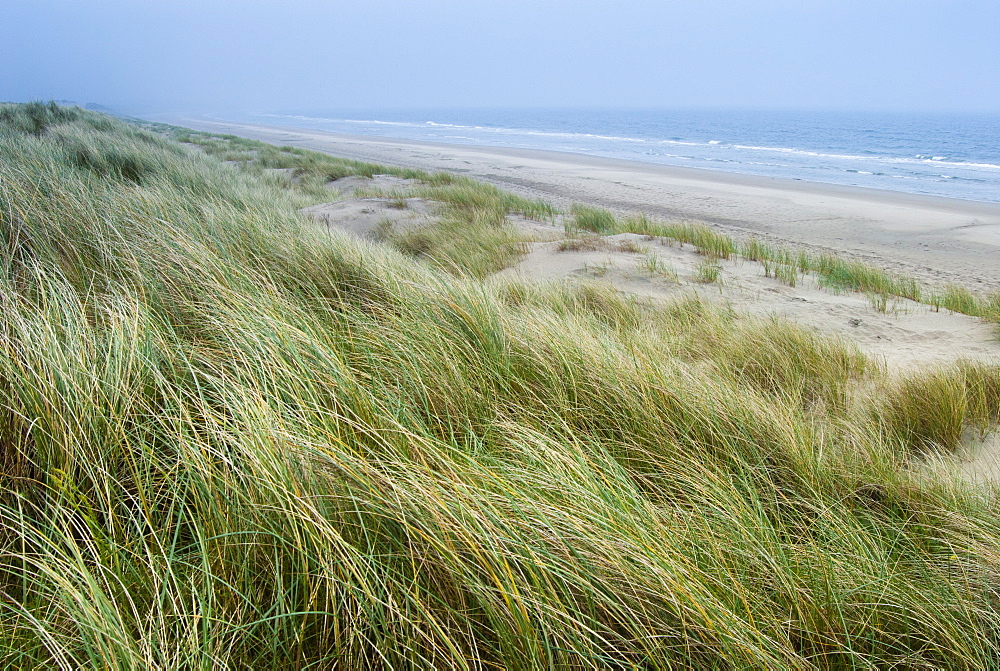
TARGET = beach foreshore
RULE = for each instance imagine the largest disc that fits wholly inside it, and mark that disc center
(936, 239)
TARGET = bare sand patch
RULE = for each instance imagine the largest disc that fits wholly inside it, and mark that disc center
(374, 218)
(977, 459)
(348, 186)
(901, 333)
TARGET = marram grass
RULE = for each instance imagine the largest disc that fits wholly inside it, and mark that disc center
(230, 439)
(832, 272)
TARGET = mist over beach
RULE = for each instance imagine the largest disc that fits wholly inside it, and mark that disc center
(891, 95)
(445, 335)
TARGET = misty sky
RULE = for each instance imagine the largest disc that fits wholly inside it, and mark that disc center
(198, 55)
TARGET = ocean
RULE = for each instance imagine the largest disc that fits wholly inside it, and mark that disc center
(956, 156)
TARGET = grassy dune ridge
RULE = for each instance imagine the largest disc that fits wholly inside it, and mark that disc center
(787, 265)
(473, 236)
(232, 439)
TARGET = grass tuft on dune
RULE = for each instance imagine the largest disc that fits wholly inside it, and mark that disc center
(832, 272)
(232, 439)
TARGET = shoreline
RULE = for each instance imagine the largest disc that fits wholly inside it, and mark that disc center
(935, 238)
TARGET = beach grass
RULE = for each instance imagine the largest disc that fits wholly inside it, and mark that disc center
(593, 219)
(230, 438)
(787, 265)
(652, 265)
(708, 271)
(460, 244)
(474, 237)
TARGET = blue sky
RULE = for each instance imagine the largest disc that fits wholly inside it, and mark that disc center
(914, 55)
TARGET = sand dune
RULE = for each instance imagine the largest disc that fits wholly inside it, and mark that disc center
(900, 333)
(904, 336)
(933, 238)
(936, 239)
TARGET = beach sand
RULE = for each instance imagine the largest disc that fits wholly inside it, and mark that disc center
(935, 239)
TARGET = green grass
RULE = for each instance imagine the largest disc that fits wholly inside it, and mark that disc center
(787, 274)
(860, 277)
(755, 250)
(231, 439)
(708, 271)
(653, 265)
(593, 219)
(310, 171)
(959, 299)
(478, 247)
(930, 410)
(704, 239)
(474, 235)
(582, 243)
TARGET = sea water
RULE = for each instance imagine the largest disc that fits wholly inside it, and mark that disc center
(951, 155)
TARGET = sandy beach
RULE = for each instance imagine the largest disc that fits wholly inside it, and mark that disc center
(936, 239)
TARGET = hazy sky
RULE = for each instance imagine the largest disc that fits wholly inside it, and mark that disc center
(309, 54)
